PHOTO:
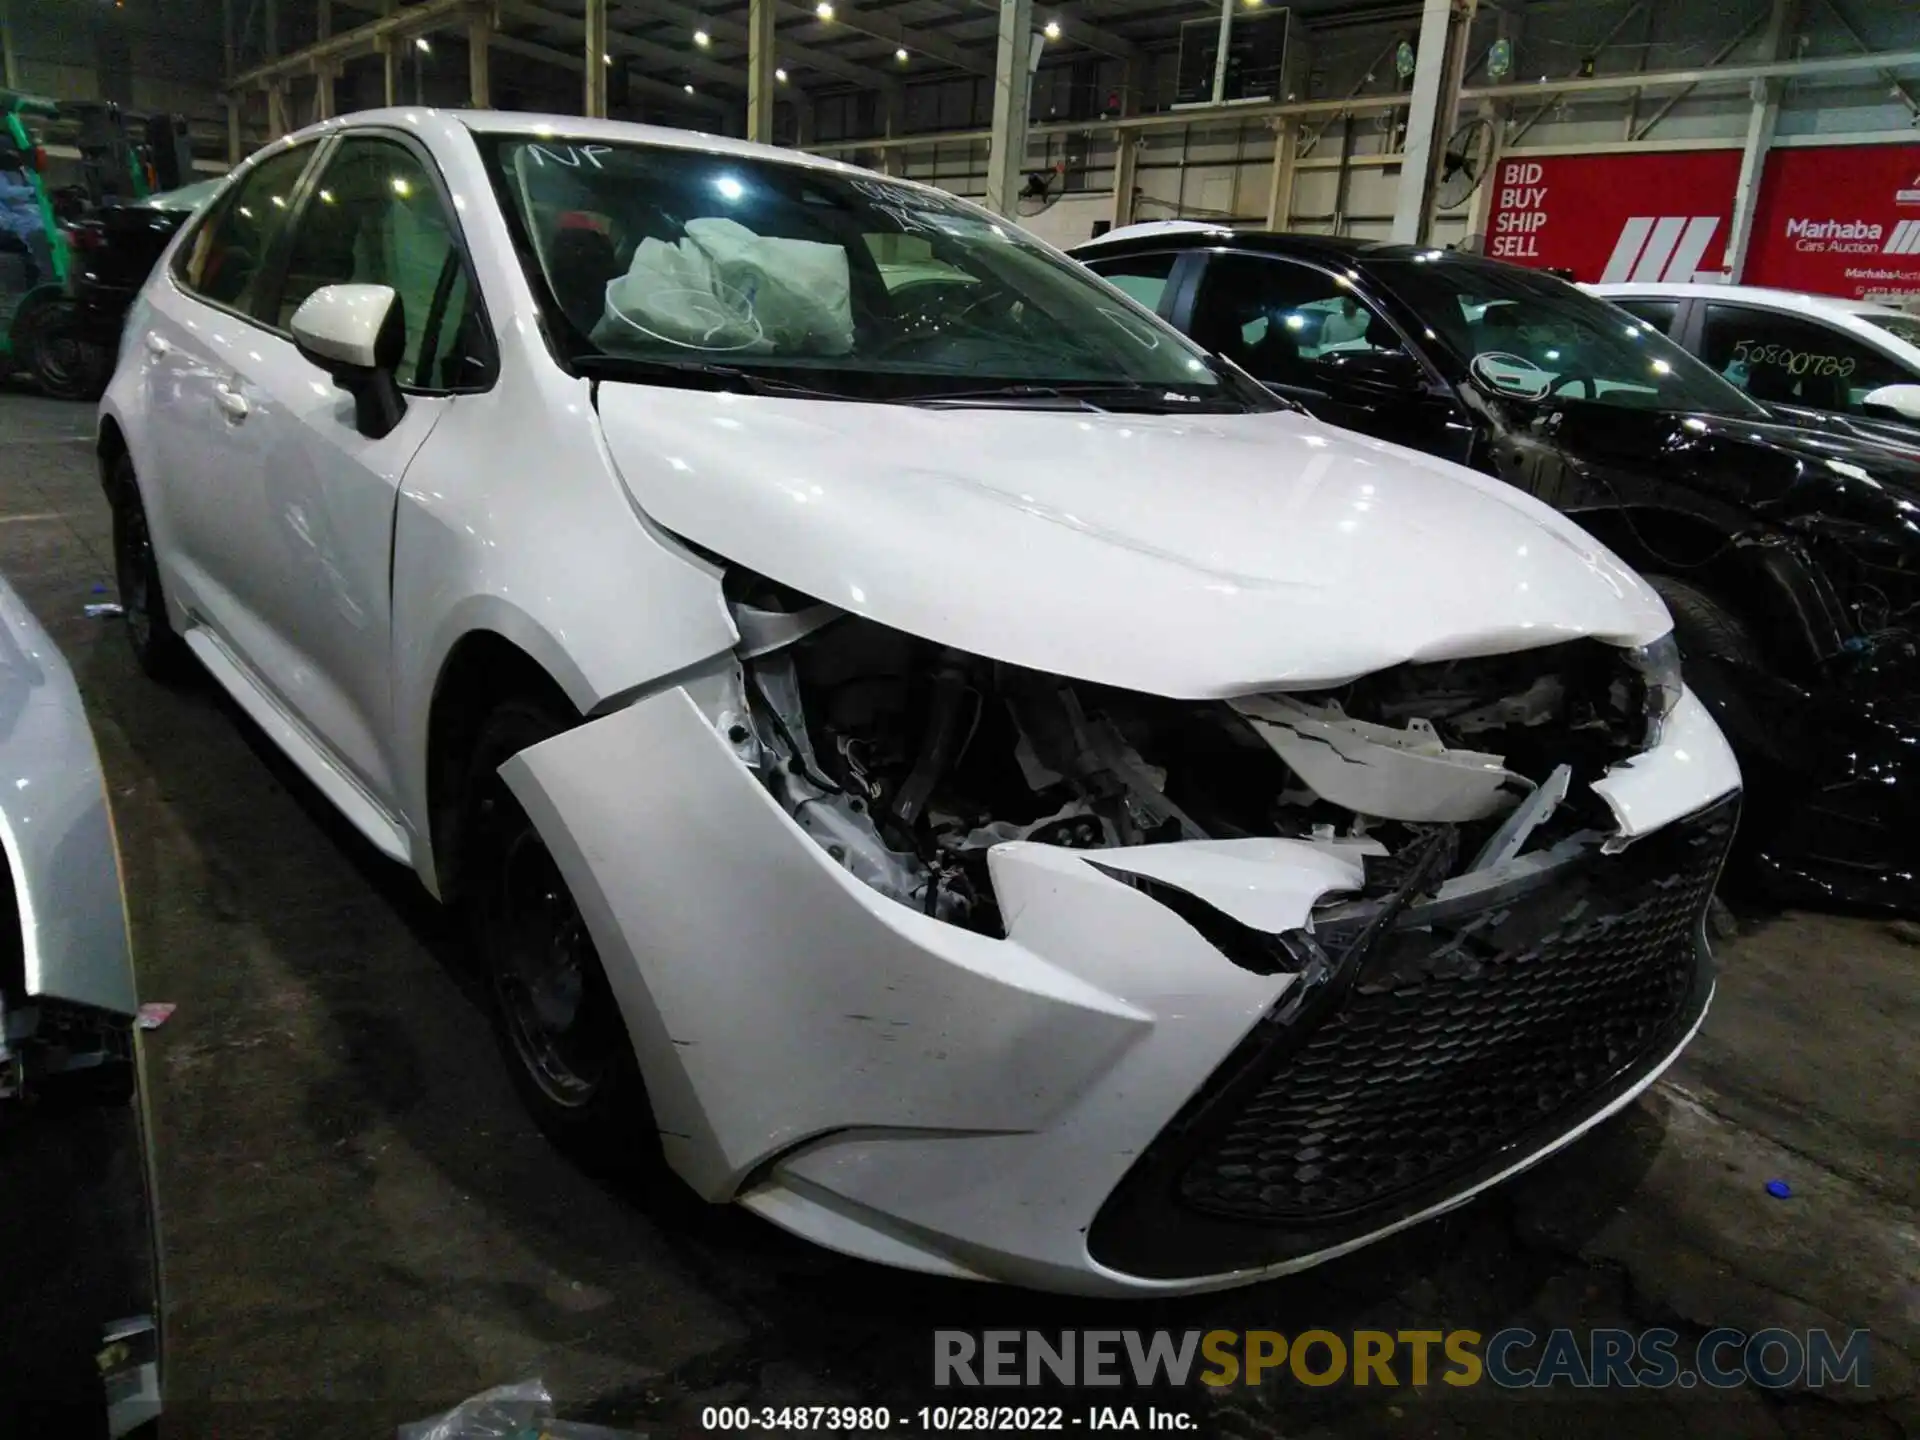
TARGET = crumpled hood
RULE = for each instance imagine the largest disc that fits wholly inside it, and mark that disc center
(1186, 556)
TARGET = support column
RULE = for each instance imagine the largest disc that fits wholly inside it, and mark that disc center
(893, 105)
(276, 109)
(6, 46)
(480, 58)
(1286, 149)
(323, 72)
(1436, 92)
(1761, 121)
(596, 56)
(1012, 73)
(1126, 160)
(227, 52)
(389, 70)
(803, 126)
(762, 88)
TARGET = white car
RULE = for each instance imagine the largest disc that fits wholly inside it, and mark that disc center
(960, 774)
(1853, 358)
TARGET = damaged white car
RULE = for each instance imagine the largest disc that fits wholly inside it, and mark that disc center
(922, 747)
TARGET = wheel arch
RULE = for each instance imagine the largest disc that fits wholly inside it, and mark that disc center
(1765, 577)
(481, 668)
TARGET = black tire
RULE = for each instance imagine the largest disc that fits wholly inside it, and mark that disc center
(1703, 626)
(66, 362)
(158, 649)
(559, 1027)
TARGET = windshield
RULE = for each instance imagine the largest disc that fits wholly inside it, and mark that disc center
(687, 263)
(1529, 336)
(1901, 327)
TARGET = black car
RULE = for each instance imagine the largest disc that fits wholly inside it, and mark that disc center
(112, 251)
(1789, 555)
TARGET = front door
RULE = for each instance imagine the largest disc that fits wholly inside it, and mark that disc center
(313, 580)
(1308, 335)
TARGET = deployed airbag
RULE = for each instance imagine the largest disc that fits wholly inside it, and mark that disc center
(722, 287)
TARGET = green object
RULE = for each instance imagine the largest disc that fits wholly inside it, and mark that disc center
(1500, 60)
(1403, 59)
(15, 106)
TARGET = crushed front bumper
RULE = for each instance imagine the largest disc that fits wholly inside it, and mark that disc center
(922, 1095)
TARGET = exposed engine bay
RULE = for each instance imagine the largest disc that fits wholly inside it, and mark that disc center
(908, 761)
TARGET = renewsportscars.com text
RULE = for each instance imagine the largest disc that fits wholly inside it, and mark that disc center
(1511, 1358)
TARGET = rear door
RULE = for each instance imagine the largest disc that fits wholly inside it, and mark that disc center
(196, 322)
(312, 575)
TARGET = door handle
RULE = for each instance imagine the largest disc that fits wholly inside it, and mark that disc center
(157, 344)
(232, 402)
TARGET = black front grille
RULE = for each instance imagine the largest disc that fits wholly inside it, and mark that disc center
(1469, 1037)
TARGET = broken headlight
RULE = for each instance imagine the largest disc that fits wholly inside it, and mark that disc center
(1658, 667)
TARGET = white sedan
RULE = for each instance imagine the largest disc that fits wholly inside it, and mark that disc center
(950, 767)
(1854, 358)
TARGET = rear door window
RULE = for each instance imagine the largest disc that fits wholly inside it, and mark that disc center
(1792, 360)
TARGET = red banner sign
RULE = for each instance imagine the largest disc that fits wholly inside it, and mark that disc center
(1839, 220)
(1658, 216)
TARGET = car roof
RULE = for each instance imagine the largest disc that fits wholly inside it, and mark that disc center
(1186, 235)
(1764, 295)
(426, 120)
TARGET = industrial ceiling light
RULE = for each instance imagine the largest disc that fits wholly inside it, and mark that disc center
(781, 76)
(420, 44)
(687, 88)
(1052, 32)
(901, 55)
(824, 10)
(702, 39)
(605, 58)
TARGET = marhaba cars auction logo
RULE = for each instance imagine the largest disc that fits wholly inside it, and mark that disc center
(1660, 247)
(1513, 1358)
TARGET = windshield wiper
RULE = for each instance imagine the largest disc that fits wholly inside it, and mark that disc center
(1096, 395)
(695, 375)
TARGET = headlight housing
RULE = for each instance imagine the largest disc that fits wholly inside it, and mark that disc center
(1658, 667)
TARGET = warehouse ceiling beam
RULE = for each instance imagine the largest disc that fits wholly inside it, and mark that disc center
(349, 44)
(1835, 66)
(1072, 27)
(722, 28)
(1607, 39)
(639, 84)
(686, 61)
(915, 41)
(1900, 88)
(1754, 22)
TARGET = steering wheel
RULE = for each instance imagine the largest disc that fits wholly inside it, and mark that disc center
(929, 321)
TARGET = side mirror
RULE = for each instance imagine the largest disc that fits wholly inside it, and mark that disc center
(1896, 402)
(357, 334)
(1395, 368)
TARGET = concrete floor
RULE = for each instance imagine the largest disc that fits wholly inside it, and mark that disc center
(361, 1227)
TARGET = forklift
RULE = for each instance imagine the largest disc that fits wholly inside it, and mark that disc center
(43, 331)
